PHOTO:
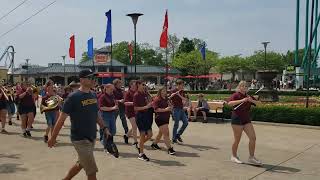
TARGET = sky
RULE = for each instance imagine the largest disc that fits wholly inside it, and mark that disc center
(229, 27)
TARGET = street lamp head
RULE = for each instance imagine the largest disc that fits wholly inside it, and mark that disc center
(135, 17)
(265, 44)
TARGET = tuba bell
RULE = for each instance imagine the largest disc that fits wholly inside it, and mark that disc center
(51, 103)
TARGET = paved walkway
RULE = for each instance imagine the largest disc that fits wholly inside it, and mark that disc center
(287, 153)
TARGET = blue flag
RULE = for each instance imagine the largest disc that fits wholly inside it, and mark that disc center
(108, 38)
(90, 48)
(203, 51)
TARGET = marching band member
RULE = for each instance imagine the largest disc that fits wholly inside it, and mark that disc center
(119, 97)
(163, 111)
(144, 123)
(26, 108)
(10, 106)
(240, 121)
(3, 109)
(50, 114)
(177, 97)
(129, 110)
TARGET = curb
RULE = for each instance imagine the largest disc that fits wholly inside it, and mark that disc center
(286, 125)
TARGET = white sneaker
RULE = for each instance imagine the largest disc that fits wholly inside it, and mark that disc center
(254, 161)
(236, 160)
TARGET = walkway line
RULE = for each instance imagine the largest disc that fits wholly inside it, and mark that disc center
(284, 161)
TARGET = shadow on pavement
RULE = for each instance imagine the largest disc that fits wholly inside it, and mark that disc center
(277, 169)
(186, 154)
(199, 147)
(11, 156)
(166, 163)
(11, 168)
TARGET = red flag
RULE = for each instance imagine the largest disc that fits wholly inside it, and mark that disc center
(164, 34)
(72, 52)
(130, 52)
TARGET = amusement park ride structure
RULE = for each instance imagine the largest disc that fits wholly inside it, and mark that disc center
(8, 54)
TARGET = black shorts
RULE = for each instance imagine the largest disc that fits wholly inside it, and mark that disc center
(144, 122)
(25, 109)
(161, 122)
(235, 120)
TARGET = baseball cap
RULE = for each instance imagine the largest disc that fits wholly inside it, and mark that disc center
(85, 73)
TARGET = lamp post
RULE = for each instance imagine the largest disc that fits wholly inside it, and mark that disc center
(134, 17)
(64, 69)
(27, 61)
(265, 44)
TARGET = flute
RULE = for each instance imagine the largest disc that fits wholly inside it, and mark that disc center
(247, 96)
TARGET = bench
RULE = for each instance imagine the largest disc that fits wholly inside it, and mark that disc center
(216, 111)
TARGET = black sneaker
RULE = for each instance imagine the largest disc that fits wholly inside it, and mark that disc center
(45, 139)
(136, 145)
(179, 139)
(24, 134)
(126, 139)
(155, 146)
(143, 157)
(115, 150)
(28, 133)
(174, 141)
(171, 151)
(10, 123)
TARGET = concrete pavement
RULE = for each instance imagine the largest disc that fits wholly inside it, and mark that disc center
(287, 153)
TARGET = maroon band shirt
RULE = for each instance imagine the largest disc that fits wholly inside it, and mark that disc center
(27, 100)
(140, 100)
(129, 110)
(243, 111)
(107, 100)
(159, 102)
(176, 100)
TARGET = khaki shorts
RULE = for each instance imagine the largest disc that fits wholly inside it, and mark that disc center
(86, 159)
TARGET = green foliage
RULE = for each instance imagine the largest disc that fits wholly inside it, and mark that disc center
(274, 61)
(192, 63)
(84, 57)
(230, 64)
(186, 46)
(120, 52)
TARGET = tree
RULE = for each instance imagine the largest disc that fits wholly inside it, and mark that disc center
(274, 61)
(120, 52)
(192, 63)
(198, 43)
(289, 57)
(84, 57)
(229, 64)
(186, 46)
(149, 56)
(173, 44)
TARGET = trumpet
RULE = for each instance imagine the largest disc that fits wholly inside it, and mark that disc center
(51, 103)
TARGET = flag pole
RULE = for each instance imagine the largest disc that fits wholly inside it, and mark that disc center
(166, 81)
(111, 60)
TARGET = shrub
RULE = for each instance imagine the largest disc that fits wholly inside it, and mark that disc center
(283, 114)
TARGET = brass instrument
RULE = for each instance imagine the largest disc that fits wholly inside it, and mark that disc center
(52, 103)
(35, 90)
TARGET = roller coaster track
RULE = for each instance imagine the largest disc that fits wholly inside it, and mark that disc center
(9, 53)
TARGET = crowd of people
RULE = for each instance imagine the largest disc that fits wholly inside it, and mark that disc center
(88, 105)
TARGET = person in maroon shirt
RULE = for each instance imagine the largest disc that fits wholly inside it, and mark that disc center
(52, 114)
(177, 97)
(3, 109)
(141, 106)
(163, 111)
(108, 107)
(240, 121)
(129, 110)
(26, 108)
(119, 97)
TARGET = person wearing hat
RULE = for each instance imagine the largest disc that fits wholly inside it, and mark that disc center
(74, 86)
(82, 107)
